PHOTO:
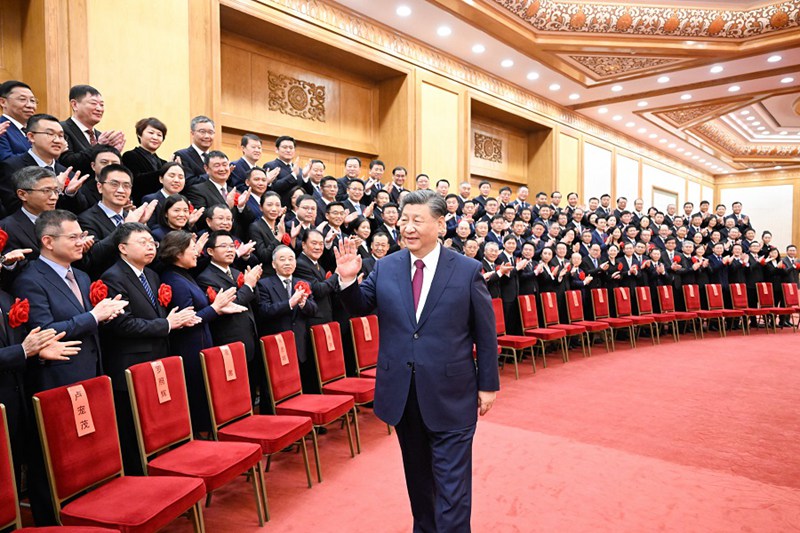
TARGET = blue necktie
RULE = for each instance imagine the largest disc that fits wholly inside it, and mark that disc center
(117, 219)
(148, 290)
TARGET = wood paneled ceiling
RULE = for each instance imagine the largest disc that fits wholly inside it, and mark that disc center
(712, 83)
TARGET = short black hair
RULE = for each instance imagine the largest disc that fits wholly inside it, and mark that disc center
(282, 138)
(124, 231)
(153, 122)
(354, 158)
(171, 200)
(98, 149)
(78, 92)
(505, 188)
(7, 86)
(108, 169)
(247, 137)
(332, 205)
(214, 154)
(214, 236)
(33, 122)
(312, 231)
(398, 169)
(173, 245)
(269, 194)
(484, 182)
(376, 162)
(50, 221)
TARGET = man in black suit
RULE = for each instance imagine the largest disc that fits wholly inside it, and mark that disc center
(140, 334)
(251, 153)
(378, 248)
(193, 157)
(241, 327)
(398, 181)
(102, 156)
(282, 308)
(352, 171)
(215, 190)
(328, 189)
(354, 195)
(290, 174)
(391, 214)
(87, 111)
(309, 269)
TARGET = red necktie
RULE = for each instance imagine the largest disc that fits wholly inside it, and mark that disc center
(416, 282)
(92, 138)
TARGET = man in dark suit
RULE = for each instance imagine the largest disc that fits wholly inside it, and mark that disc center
(215, 190)
(282, 308)
(354, 194)
(428, 385)
(309, 269)
(193, 157)
(87, 111)
(251, 153)
(379, 248)
(18, 104)
(290, 175)
(398, 181)
(328, 189)
(352, 171)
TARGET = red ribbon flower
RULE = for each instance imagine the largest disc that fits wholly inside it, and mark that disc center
(797, 266)
(191, 208)
(763, 261)
(328, 274)
(18, 314)
(3, 239)
(97, 292)
(66, 181)
(286, 239)
(676, 259)
(303, 286)
(236, 198)
(237, 243)
(650, 247)
(781, 265)
(569, 267)
(553, 270)
(619, 267)
(164, 294)
(695, 259)
(240, 280)
(212, 294)
(581, 275)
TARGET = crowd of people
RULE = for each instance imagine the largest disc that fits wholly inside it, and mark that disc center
(112, 258)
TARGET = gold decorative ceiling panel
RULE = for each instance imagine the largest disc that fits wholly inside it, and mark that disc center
(602, 67)
(717, 134)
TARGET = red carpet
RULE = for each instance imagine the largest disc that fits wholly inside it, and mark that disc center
(698, 436)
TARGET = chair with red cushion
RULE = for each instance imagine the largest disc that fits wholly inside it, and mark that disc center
(717, 303)
(792, 301)
(602, 313)
(326, 339)
(667, 301)
(576, 316)
(287, 396)
(739, 300)
(513, 346)
(766, 300)
(87, 470)
(366, 341)
(530, 320)
(644, 299)
(622, 299)
(164, 433)
(691, 298)
(232, 419)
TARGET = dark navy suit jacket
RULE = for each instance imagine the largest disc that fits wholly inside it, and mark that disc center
(457, 314)
(14, 142)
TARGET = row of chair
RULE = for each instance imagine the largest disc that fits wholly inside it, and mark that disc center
(514, 347)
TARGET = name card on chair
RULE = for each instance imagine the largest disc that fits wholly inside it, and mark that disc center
(791, 289)
(714, 288)
(366, 328)
(738, 290)
(764, 288)
(600, 297)
(282, 350)
(665, 290)
(162, 385)
(80, 408)
(624, 295)
(227, 362)
(575, 301)
(643, 292)
(328, 337)
(691, 291)
(528, 304)
(549, 296)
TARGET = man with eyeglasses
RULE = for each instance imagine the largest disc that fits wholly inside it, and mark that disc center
(19, 105)
(216, 190)
(193, 158)
(379, 247)
(306, 215)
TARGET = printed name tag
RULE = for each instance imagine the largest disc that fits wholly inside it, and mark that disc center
(528, 304)
(162, 385)
(227, 362)
(600, 297)
(714, 288)
(738, 290)
(282, 350)
(764, 288)
(791, 290)
(366, 328)
(644, 294)
(549, 299)
(575, 299)
(624, 295)
(80, 408)
(328, 337)
(691, 291)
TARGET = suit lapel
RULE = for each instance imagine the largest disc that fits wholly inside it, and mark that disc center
(136, 282)
(440, 278)
(403, 279)
(27, 226)
(60, 285)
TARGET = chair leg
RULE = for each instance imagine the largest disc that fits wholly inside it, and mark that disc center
(258, 489)
(302, 445)
(632, 334)
(533, 357)
(654, 333)
(316, 453)
(349, 435)
(389, 428)
(208, 500)
(269, 462)
(564, 354)
(197, 518)
(610, 334)
(583, 345)
(358, 434)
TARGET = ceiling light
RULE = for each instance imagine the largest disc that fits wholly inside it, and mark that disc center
(760, 128)
(680, 149)
(554, 87)
(690, 43)
(507, 63)
(478, 49)
(716, 69)
(777, 167)
(694, 157)
(662, 141)
(630, 124)
(642, 104)
(787, 80)
(750, 118)
(686, 96)
(403, 11)
(688, 153)
(641, 130)
(663, 79)
(574, 96)
(734, 88)
(755, 123)
(774, 59)
(765, 133)
(470, 2)
(708, 163)
(616, 88)
(603, 110)
(745, 112)
(783, 133)
(443, 31)
(532, 76)
(653, 135)
(671, 145)
(702, 160)
(616, 118)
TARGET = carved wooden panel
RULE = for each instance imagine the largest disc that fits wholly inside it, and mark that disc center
(296, 98)
(488, 148)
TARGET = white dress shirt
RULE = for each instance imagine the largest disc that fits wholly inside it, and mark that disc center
(431, 261)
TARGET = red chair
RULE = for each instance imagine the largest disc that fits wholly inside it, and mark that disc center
(87, 470)
(691, 298)
(766, 300)
(790, 296)
(286, 392)
(527, 307)
(602, 313)
(326, 340)
(232, 419)
(576, 317)
(667, 301)
(645, 301)
(366, 342)
(164, 434)
(509, 345)
(622, 298)
(739, 300)
(717, 303)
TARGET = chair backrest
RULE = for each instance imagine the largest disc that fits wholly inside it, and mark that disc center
(714, 296)
(549, 308)
(328, 352)
(765, 296)
(644, 299)
(790, 298)
(575, 305)
(160, 404)
(528, 311)
(78, 429)
(600, 303)
(666, 299)
(691, 297)
(366, 340)
(9, 506)
(280, 362)
(499, 318)
(227, 383)
(738, 295)
(622, 297)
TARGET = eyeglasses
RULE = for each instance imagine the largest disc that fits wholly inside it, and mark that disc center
(51, 134)
(48, 191)
(74, 237)
(25, 100)
(145, 242)
(228, 246)
(114, 184)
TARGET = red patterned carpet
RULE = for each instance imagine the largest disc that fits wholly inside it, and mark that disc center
(698, 436)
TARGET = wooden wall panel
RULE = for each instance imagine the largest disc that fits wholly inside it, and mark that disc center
(440, 136)
(568, 165)
(11, 40)
(513, 164)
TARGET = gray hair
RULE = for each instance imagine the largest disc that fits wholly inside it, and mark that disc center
(432, 199)
(200, 119)
(491, 244)
(278, 249)
(27, 177)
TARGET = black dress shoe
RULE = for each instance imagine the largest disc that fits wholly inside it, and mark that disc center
(322, 430)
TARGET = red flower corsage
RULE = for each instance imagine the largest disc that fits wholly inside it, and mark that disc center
(763, 261)
(212, 294)
(620, 267)
(237, 243)
(695, 259)
(3, 239)
(240, 280)
(236, 198)
(286, 239)
(18, 314)
(191, 208)
(676, 259)
(581, 276)
(97, 292)
(327, 275)
(164, 294)
(303, 286)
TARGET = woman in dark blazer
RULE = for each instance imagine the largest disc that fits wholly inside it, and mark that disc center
(179, 254)
(176, 215)
(143, 161)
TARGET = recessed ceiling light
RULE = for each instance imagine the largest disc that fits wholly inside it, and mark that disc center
(532, 76)
(765, 132)
(734, 88)
(755, 123)
(760, 128)
(662, 141)
(750, 118)
(694, 157)
(745, 112)
(443, 31)
(507, 63)
(616, 88)
(630, 124)
(787, 80)
(554, 87)
(690, 43)
(686, 96)
(671, 145)
(708, 163)
(403, 11)
(616, 118)
(777, 167)
(603, 110)
(681, 148)
(470, 2)
(478, 49)
(774, 59)
(641, 130)
(574, 96)
(653, 135)
(716, 69)
(688, 153)
(783, 133)
(702, 160)
(642, 104)
(663, 79)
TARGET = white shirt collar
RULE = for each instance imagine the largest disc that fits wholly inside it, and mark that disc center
(431, 260)
(107, 210)
(135, 270)
(14, 121)
(41, 162)
(30, 215)
(199, 152)
(83, 127)
(221, 267)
